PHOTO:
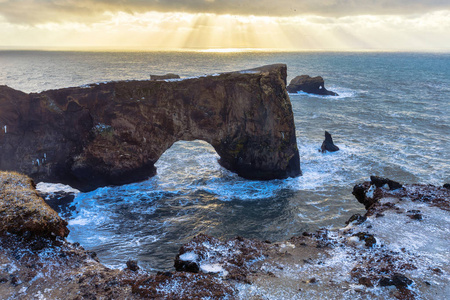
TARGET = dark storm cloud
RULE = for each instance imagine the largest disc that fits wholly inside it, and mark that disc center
(39, 11)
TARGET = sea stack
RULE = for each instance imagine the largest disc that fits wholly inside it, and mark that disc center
(328, 144)
(308, 84)
(113, 133)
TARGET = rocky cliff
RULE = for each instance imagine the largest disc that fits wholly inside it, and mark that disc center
(113, 133)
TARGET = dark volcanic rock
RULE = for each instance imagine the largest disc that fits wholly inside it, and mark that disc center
(113, 133)
(186, 266)
(235, 256)
(399, 280)
(328, 144)
(183, 286)
(357, 219)
(368, 193)
(60, 201)
(164, 77)
(132, 265)
(368, 239)
(307, 84)
(379, 182)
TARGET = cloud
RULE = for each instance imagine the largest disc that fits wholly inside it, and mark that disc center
(180, 31)
(89, 11)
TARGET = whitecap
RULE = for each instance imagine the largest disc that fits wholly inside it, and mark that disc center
(189, 256)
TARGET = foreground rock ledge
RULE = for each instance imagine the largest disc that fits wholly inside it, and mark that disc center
(113, 133)
(23, 212)
(397, 250)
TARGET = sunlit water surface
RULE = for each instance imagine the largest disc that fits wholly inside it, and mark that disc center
(392, 119)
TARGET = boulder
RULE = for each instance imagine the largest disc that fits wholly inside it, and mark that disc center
(113, 133)
(164, 77)
(328, 144)
(308, 84)
(22, 211)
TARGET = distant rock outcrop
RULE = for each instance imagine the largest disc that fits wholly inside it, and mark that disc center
(113, 133)
(307, 84)
(328, 144)
(164, 77)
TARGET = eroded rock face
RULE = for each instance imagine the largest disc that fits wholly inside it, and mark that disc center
(113, 133)
(22, 211)
(308, 84)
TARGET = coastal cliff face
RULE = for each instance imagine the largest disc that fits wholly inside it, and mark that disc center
(113, 133)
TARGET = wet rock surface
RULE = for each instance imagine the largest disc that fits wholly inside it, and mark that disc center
(42, 265)
(388, 257)
(308, 84)
(113, 133)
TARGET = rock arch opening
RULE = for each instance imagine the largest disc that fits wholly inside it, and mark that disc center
(113, 133)
(189, 161)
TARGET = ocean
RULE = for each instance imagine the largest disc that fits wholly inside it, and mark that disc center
(391, 119)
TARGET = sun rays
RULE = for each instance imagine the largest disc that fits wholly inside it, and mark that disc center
(162, 31)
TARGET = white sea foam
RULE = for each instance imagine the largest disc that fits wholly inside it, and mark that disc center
(343, 93)
(213, 268)
(189, 256)
(51, 188)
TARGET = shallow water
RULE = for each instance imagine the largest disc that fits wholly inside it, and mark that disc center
(392, 119)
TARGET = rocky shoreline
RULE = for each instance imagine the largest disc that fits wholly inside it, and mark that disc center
(397, 250)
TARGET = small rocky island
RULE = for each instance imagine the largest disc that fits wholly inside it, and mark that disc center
(113, 133)
(311, 85)
(397, 250)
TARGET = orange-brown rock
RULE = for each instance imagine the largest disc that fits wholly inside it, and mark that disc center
(113, 133)
(23, 211)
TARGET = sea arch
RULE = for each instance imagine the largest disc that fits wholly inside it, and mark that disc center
(113, 133)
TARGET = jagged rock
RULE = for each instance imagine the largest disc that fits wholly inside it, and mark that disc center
(365, 281)
(132, 265)
(368, 193)
(113, 133)
(368, 239)
(164, 77)
(328, 144)
(380, 182)
(307, 84)
(356, 219)
(399, 280)
(23, 212)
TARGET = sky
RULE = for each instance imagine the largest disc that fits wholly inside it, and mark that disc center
(232, 25)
